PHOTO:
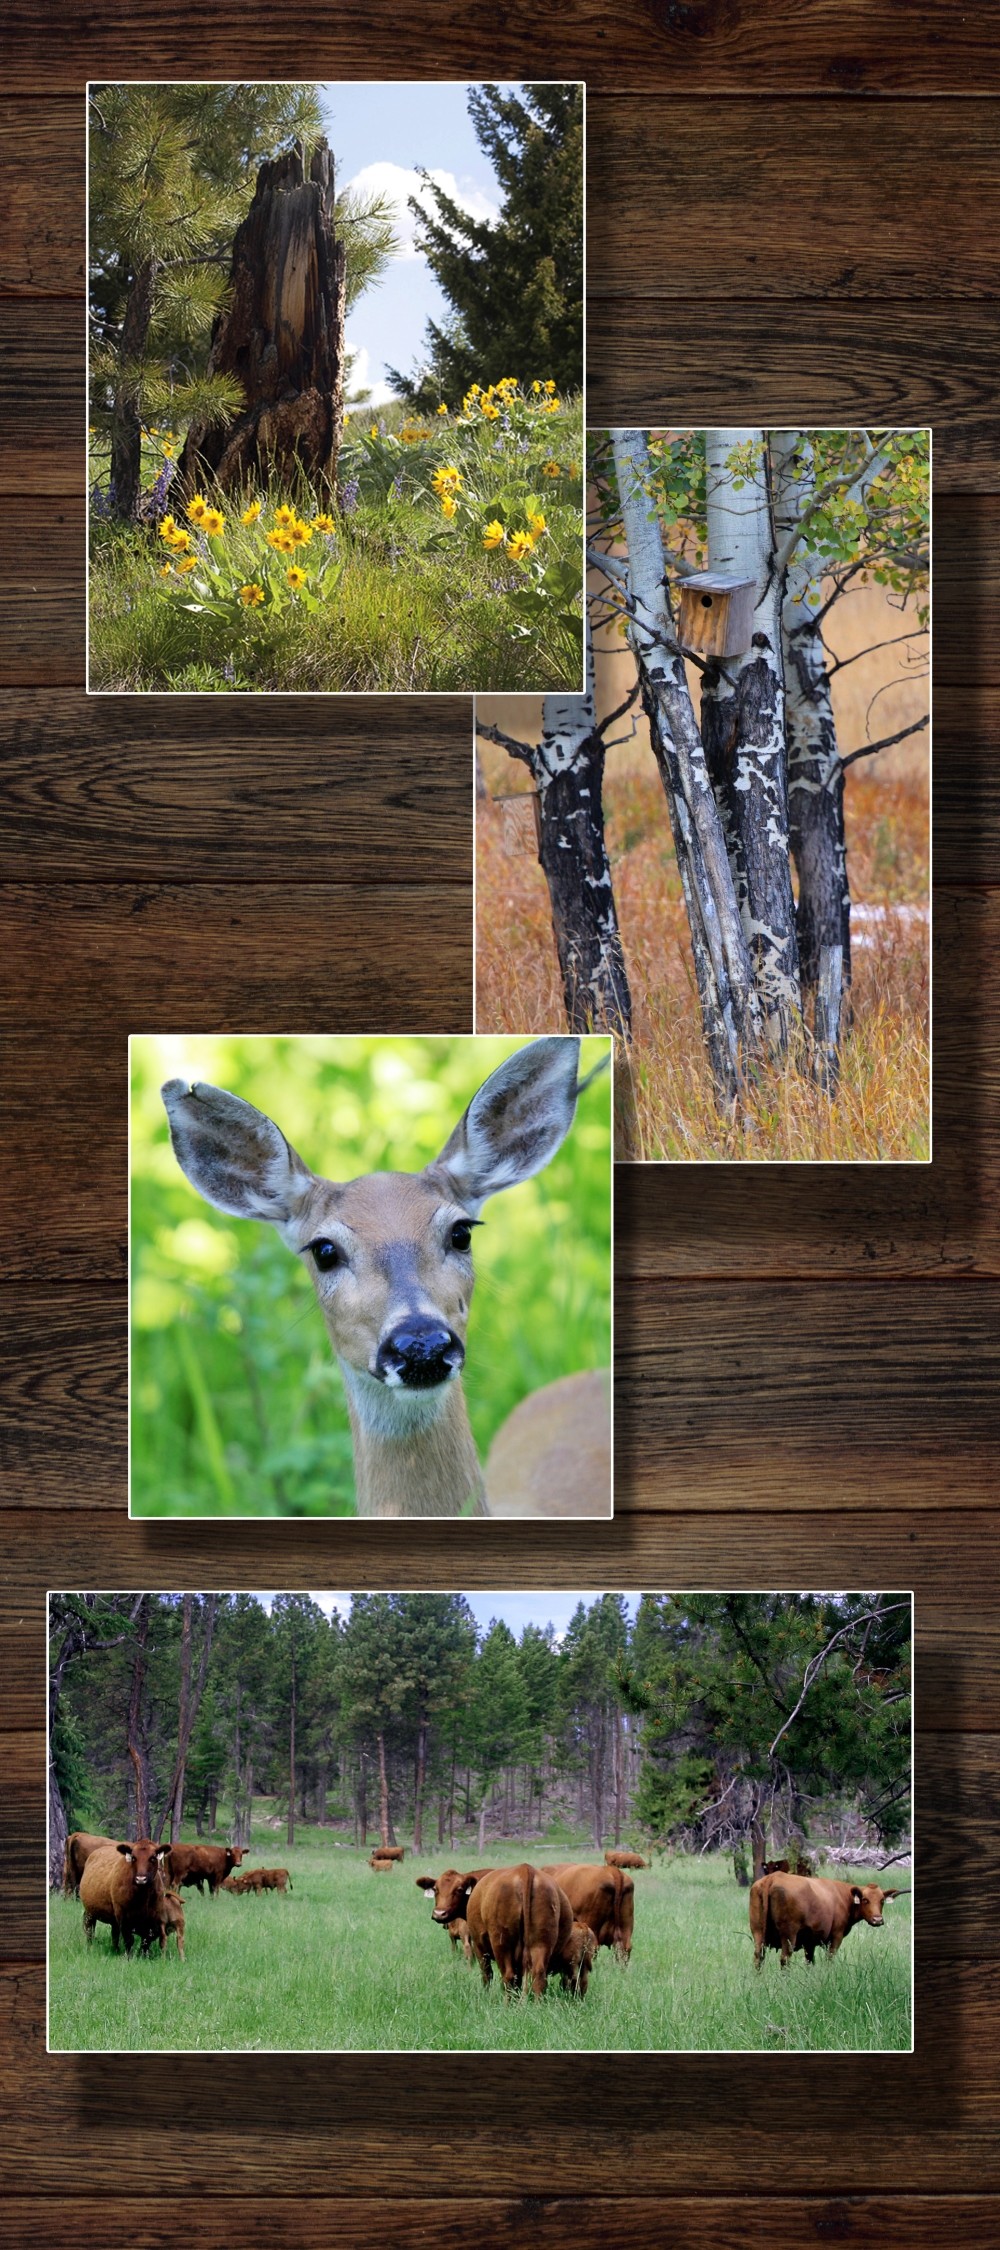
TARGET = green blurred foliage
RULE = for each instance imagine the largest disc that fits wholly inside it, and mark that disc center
(237, 1404)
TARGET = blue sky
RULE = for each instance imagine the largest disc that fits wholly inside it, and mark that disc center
(380, 135)
(516, 1609)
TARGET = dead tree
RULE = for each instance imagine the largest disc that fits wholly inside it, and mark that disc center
(281, 335)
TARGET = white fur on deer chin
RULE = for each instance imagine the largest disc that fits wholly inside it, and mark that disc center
(386, 1409)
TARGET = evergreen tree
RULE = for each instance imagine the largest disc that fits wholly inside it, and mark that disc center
(516, 287)
(498, 1719)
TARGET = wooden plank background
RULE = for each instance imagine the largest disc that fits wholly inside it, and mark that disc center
(793, 215)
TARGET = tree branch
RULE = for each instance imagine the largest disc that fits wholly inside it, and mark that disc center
(816, 1663)
(522, 750)
(869, 749)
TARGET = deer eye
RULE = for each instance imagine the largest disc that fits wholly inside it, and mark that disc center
(460, 1237)
(328, 1255)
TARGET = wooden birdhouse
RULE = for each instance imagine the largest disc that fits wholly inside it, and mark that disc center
(715, 613)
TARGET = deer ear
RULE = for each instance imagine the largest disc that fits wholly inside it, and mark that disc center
(516, 1122)
(233, 1154)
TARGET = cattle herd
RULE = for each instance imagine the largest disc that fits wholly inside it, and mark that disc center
(136, 1887)
(531, 1923)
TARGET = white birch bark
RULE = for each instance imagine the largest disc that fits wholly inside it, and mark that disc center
(743, 723)
(721, 957)
(815, 772)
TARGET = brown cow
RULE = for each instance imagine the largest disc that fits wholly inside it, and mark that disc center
(78, 1850)
(625, 1859)
(603, 1898)
(574, 1957)
(123, 1884)
(447, 1888)
(173, 1919)
(789, 1913)
(274, 1879)
(388, 1854)
(252, 1881)
(194, 1865)
(775, 1867)
(521, 1919)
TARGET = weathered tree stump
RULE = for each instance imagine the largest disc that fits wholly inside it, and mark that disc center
(281, 335)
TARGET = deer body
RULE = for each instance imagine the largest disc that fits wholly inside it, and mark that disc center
(390, 1257)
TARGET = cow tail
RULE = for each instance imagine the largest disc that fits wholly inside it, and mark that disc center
(529, 1886)
(68, 1884)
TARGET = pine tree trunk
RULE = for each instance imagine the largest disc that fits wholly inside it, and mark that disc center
(126, 423)
(282, 336)
(815, 773)
(743, 728)
(418, 1785)
(385, 1824)
(719, 947)
(290, 1836)
(138, 1748)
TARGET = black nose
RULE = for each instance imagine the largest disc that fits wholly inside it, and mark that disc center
(418, 1355)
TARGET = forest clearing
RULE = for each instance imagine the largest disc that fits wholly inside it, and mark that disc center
(612, 929)
(370, 1743)
(351, 1960)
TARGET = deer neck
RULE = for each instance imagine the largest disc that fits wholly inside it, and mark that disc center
(414, 1452)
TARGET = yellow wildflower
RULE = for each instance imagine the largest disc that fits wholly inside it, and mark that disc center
(300, 533)
(281, 541)
(442, 409)
(284, 516)
(493, 535)
(168, 452)
(251, 514)
(490, 412)
(168, 529)
(251, 596)
(187, 562)
(551, 469)
(473, 390)
(449, 507)
(166, 570)
(550, 386)
(373, 432)
(448, 479)
(196, 508)
(536, 524)
(572, 468)
(536, 389)
(552, 406)
(324, 523)
(213, 523)
(519, 545)
(296, 578)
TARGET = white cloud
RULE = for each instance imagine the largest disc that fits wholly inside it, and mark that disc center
(398, 182)
(361, 379)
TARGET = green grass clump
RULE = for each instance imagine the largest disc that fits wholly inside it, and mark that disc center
(352, 1960)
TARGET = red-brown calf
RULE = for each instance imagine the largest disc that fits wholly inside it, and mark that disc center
(123, 1884)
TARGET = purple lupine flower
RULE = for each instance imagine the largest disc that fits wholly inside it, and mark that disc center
(397, 484)
(347, 495)
(229, 672)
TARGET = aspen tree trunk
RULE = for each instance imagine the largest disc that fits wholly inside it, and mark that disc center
(730, 1014)
(281, 334)
(743, 725)
(815, 772)
(569, 776)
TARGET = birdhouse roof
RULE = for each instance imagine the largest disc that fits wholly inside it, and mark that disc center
(712, 582)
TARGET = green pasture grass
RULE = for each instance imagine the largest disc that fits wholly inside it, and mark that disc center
(351, 1960)
(418, 605)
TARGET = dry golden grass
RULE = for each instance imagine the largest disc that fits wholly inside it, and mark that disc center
(882, 1108)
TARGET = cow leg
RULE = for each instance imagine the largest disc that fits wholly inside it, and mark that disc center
(538, 1967)
(88, 1926)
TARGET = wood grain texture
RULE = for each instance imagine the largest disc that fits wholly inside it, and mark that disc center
(792, 216)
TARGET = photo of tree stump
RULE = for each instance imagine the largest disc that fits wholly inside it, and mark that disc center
(281, 334)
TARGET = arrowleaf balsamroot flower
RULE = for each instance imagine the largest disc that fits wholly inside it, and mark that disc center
(493, 535)
(284, 516)
(324, 523)
(187, 562)
(296, 579)
(519, 544)
(197, 508)
(449, 507)
(281, 541)
(213, 523)
(300, 533)
(536, 524)
(442, 409)
(551, 469)
(447, 479)
(251, 596)
(251, 514)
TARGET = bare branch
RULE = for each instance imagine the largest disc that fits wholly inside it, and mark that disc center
(816, 1663)
(523, 750)
(840, 663)
(869, 749)
(618, 713)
